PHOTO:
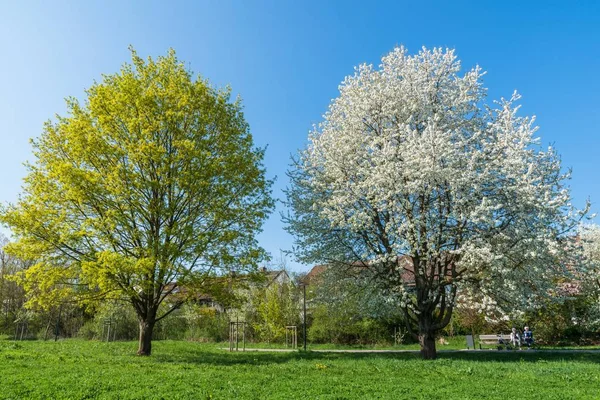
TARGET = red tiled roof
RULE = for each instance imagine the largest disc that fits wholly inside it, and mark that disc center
(314, 273)
(404, 262)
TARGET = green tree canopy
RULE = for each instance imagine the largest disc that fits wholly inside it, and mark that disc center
(150, 185)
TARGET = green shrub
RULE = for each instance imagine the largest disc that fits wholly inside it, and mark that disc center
(114, 319)
(205, 324)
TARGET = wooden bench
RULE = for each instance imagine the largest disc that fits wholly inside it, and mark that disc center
(499, 340)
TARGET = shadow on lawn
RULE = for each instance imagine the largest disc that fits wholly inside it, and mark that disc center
(235, 358)
(226, 358)
(521, 356)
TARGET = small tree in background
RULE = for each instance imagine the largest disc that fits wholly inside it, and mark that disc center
(12, 296)
(149, 186)
(272, 309)
(409, 161)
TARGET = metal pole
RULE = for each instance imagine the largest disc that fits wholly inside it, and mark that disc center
(304, 296)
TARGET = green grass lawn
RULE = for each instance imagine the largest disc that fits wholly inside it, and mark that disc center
(452, 343)
(75, 369)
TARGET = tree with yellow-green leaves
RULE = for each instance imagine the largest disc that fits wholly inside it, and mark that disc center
(143, 191)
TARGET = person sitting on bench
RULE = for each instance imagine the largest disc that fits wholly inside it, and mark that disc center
(515, 338)
(502, 343)
(528, 337)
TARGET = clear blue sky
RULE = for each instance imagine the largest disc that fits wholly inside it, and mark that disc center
(286, 59)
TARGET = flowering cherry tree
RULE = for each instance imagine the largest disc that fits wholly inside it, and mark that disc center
(590, 243)
(409, 163)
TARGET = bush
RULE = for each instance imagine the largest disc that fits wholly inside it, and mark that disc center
(269, 310)
(338, 328)
(205, 324)
(116, 319)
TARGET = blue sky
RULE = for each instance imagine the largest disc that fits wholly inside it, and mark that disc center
(286, 59)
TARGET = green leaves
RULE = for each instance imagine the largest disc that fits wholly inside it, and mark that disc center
(149, 183)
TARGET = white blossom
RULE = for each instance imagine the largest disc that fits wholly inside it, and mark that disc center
(409, 161)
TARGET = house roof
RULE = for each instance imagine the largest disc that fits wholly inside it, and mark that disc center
(275, 275)
(405, 262)
(314, 274)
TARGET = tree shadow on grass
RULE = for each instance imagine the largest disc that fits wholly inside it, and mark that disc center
(522, 356)
(226, 358)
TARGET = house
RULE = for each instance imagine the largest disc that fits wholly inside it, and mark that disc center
(315, 275)
(222, 290)
(279, 277)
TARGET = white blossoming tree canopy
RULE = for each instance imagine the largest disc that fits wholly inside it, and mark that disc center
(590, 243)
(409, 163)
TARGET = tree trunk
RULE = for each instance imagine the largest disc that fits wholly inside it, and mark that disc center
(427, 341)
(427, 337)
(47, 329)
(145, 343)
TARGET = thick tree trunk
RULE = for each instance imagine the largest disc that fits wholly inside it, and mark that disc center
(427, 337)
(145, 343)
(427, 341)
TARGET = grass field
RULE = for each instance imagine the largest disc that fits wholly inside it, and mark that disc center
(452, 343)
(75, 369)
